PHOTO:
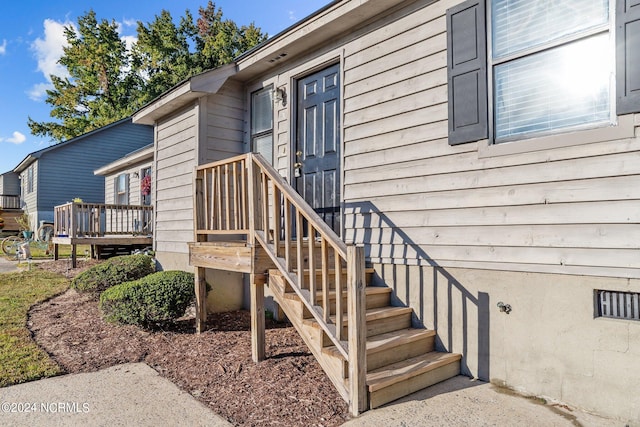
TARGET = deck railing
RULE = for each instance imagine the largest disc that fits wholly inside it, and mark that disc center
(245, 195)
(99, 220)
(9, 202)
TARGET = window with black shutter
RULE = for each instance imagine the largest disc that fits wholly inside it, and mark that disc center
(530, 68)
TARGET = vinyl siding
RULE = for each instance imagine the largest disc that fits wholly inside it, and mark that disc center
(9, 184)
(413, 199)
(176, 155)
(29, 200)
(66, 172)
(224, 124)
(134, 182)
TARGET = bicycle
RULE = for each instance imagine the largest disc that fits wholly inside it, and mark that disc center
(11, 245)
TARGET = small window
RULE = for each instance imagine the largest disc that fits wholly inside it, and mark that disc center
(262, 123)
(30, 179)
(121, 189)
(618, 305)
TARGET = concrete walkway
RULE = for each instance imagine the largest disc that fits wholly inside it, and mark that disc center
(463, 402)
(7, 266)
(125, 395)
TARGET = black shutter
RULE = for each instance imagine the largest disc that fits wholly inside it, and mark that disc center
(628, 56)
(467, 72)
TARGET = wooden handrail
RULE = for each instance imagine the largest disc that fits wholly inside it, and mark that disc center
(246, 195)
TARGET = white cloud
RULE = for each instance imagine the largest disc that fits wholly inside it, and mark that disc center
(130, 23)
(16, 138)
(129, 41)
(3, 47)
(38, 92)
(292, 16)
(49, 50)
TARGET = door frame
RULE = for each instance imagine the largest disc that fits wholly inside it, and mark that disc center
(293, 109)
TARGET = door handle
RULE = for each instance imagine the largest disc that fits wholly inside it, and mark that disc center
(297, 165)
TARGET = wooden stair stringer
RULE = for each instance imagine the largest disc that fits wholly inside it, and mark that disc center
(313, 343)
(400, 359)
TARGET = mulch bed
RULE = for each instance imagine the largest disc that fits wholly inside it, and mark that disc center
(289, 388)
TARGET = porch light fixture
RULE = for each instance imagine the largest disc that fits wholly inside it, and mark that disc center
(281, 95)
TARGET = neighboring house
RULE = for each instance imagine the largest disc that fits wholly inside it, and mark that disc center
(485, 155)
(59, 173)
(123, 178)
(9, 191)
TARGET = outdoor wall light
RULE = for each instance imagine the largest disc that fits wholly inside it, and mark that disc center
(504, 308)
(281, 95)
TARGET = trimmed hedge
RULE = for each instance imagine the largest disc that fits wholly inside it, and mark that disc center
(114, 271)
(157, 298)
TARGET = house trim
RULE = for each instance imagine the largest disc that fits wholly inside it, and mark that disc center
(145, 153)
(206, 83)
(625, 128)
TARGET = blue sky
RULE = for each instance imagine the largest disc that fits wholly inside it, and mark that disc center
(31, 42)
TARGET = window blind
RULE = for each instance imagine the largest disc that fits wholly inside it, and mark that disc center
(523, 24)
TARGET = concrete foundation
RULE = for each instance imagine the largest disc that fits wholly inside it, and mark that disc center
(552, 343)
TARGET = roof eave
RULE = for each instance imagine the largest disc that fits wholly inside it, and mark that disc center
(206, 83)
(129, 160)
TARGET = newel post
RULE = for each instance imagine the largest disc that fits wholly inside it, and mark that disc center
(357, 329)
(256, 286)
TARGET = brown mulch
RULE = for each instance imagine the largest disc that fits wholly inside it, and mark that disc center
(289, 388)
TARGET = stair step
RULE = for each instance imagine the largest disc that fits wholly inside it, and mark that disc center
(370, 290)
(393, 381)
(376, 297)
(391, 347)
(379, 320)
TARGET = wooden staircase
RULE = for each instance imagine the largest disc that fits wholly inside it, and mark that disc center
(400, 359)
(248, 219)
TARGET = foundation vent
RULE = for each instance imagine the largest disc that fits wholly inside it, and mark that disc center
(618, 305)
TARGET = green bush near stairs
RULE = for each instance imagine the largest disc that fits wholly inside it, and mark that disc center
(152, 300)
(114, 271)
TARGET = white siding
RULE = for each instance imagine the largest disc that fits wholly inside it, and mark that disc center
(134, 183)
(176, 155)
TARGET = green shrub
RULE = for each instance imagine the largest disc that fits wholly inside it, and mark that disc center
(112, 272)
(157, 298)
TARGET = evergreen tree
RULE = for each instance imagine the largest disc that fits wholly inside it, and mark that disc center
(99, 90)
(107, 82)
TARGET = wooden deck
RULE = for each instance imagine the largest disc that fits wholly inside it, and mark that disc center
(100, 225)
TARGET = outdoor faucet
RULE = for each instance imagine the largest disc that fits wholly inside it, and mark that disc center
(504, 308)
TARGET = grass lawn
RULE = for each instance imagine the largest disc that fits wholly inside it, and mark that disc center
(64, 251)
(20, 358)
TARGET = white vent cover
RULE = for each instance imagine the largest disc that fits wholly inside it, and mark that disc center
(619, 305)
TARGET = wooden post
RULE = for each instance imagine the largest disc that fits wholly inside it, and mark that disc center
(201, 299)
(357, 330)
(257, 320)
(56, 252)
(74, 257)
(257, 286)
